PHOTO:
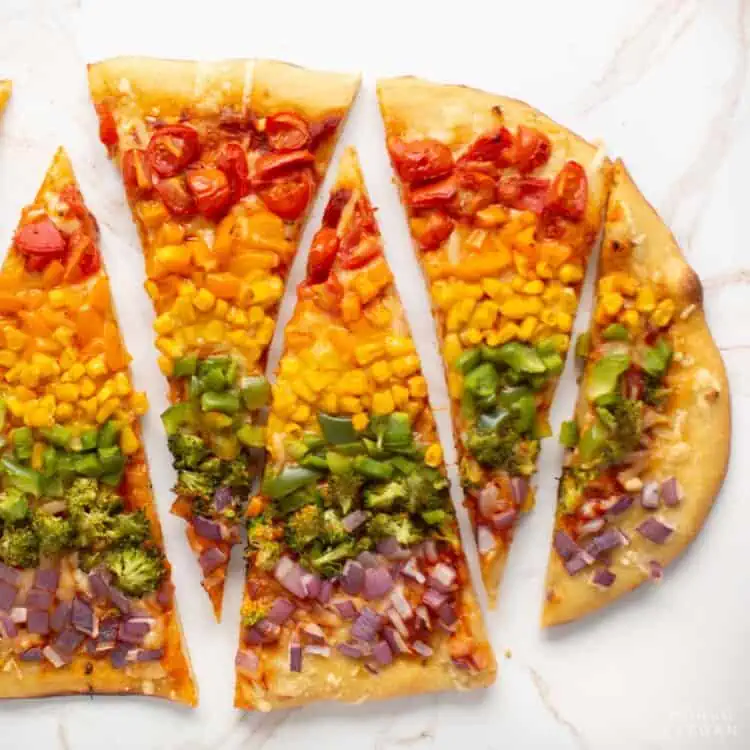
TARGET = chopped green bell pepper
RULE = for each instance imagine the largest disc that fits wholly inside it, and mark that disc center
(515, 355)
(605, 374)
(256, 392)
(226, 403)
(108, 434)
(592, 441)
(493, 419)
(289, 479)
(252, 436)
(111, 459)
(312, 441)
(176, 416)
(57, 435)
(569, 433)
(213, 380)
(49, 461)
(657, 358)
(338, 464)
(185, 367)
(311, 461)
(89, 465)
(23, 442)
(337, 429)
(468, 360)
(372, 469)
(615, 332)
(89, 439)
(22, 478)
(583, 345)
(482, 383)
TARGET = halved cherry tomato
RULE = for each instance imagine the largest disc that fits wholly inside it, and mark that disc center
(434, 194)
(42, 239)
(475, 191)
(269, 165)
(71, 196)
(532, 149)
(287, 131)
(320, 130)
(419, 161)
(356, 256)
(176, 196)
(172, 148)
(323, 251)
(634, 383)
(289, 196)
(523, 193)
(569, 192)
(494, 146)
(83, 258)
(232, 160)
(437, 229)
(336, 203)
(107, 126)
(136, 171)
(210, 188)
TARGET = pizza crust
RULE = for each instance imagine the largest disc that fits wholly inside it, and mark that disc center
(5, 90)
(698, 457)
(413, 108)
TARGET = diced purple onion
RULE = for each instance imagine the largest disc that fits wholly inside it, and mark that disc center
(118, 657)
(423, 615)
(488, 500)
(83, 617)
(210, 559)
(54, 657)
(60, 617)
(398, 622)
(119, 599)
(621, 505)
(401, 604)
(98, 585)
(313, 632)
(603, 577)
(504, 519)
(252, 636)
(654, 530)
(411, 569)
(592, 526)
(607, 540)
(47, 579)
(368, 559)
(67, 641)
(354, 520)
(222, 498)
(146, 654)
(650, 495)
(9, 575)
(442, 577)
(317, 649)
(206, 528)
(247, 661)
(269, 631)
(382, 653)
(564, 545)
(38, 621)
(8, 595)
(378, 583)
(106, 639)
(352, 650)
(295, 657)
(133, 630)
(289, 575)
(8, 628)
(311, 583)
(32, 654)
(281, 610)
(577, 563)
(346, 608)
(353, 577)
(165, 594)
(520, 488)
(434, 599)
(39, 599)
(422, 648)
(326, 590)
(367, 625)
(430, 550)
(655, 570)
(671, 492)
(447, 614)
(392, 550)
(485, 540)
(19, 615)
(395, 640)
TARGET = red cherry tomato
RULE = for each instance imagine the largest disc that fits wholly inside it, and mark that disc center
(569, 192)
(634, 383)
(437, 229)
(289, 196)
(287, 131)
(433, 194)
(42, 239)
(336, 203)
(83, 258)
(321, 130)
(419, 161)
(356, 256)
(136, 171)
(322, 254)
(107, 126)
(176, 196)
(523, 193)
(494, 146)
(532, 149)
(271, 165)
(172, 148)
(210, 188)
(232, 160)
(475, 191)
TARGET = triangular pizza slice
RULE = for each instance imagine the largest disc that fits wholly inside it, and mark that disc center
(649, 446)
(86, 602)
(504, 208)
(221, 162)
(357, 586)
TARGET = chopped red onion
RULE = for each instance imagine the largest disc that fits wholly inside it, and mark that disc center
(222, 498)
(98, 585)
(378, 583)
(32, 654)
(354, 520)
(398, 622)
(247, 661)
(655, 570)
(210, 559)
(281, 610)
(577, 563)
(434, 599)
(650, 496)
(382, 653)
(38, 621)
(422, 648)
(485, 540)
(295, 657)
(289, 575)
(311, 583)
(119, 599)
(423, 615)
(8, 628)
(621, 505)
(520, 488)
(430, 550)
(401, 604)
(146, 654)
(392, 550)
(19, 615)
(318, 650)
(488, 500)
(252, 637)
(47, 579)
(83, 618)
(60, 617)
(39, 599)
(411, 570)
(654, 530)
(118, 657)
(607, 540)
(54, 657)
(671, 492)
(269, 631)
(447, 614)
(353, 577)
(442, 577)
(395, 640)
(9, 575)
(134, 629)
(8, 595)
(564, 545)
(352, 650)
(67, 641)
(603, 577)
(326, 590)
(367, 625)
(206, 528)
(313, 632)
(593, 526)
(108, 628)
(504, 519)
(165, 594)
(368, 559)
(346, 608)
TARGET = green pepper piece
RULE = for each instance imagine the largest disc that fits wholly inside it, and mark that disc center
(337, 429)
(89, 465)
(226, 403)
(468, 406)
(398, 433)
(569, 433)
(57, 435)
(615, 332)
(313, 441)
(553, 363)
(89, 439)
(311, 461)
(112, 480)
(605, 373)
(213, 380)
(185, 367)
(49, 461)
(351, 449)
(289, 479)
(231, 372)
(23, 442)
(176, 416)
(66, 465)
(482, 383)
(592, 441)
(195, 388)
(553, 344)
(296, 449)
(493, 420)
(108, 434)
(22, 478)
(338, 464)
(371, 468)
(468, 360)
(525, 411)
(212, 363)
(404, 465)
(583, 345)
(3, 411)
(256, 392)
(111, 459)
(434, 517)
(657, 358)
(53, 486)
(515, 355)
(252, 436)
(509, 396)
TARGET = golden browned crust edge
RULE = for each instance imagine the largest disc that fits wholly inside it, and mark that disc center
(408, 104)
(707, 428)
(6, 87)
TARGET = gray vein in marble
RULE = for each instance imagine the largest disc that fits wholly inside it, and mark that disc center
(721, 281)
(62, 736)
(544, 692)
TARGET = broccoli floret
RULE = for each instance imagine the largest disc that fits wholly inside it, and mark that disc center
(304, 527)
(626, 428)
(137, 571)
(54, 533)
(109, 499)
(130, 529)
(88, 559)
(385, 496)
(14, 506)
(267, 555)
(333, 528)
(93, 529)
(195, 484)
(342, 490)
(262, 540)
(401, 526)
(236, 474)
(427, 489)
(495, 449)
(331, 562)
(212, 466)
(19, 547)
(254, 611)
(187, 450)
(81, 495)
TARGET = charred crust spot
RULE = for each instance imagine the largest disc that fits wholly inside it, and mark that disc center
(497, 110)
(89, 668)
(691, 287)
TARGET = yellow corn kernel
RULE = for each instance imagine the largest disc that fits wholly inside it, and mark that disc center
(174, 258)
(129, 442)
(221, 308)
(498, 290)
(214, 331)
(39, 416)
(96, 366)
(607, 284)
(517, 308)
(645, 301)
(183, 310)
(351, 307)
(517, 283)
(76, 372)
(67, 392)
(492, 216)
(68, 359)
(353, 383)
(548, 317)
(106, 410)
(151, 289)
(139, 402)
(663, 313)
(330, 403)
(267, 291)
(15, 339)
(290, 365)
(570, 273)
(37, 453)
(164, 324)
(507, 332)
(628, 285)
(527, 328)
(57, 297)
(631, 319)
(30, 376)
(360, 421)
(455, 384)
(459, 314)
(255, 314)
(533, 287)
(378, 314)
(400, 395)
(121, 384)
(303, 390)
(47, 366)
(444, 293)
(23, 394)
(317, 380)
(433, 456)
(564, 322)
(8, 358)
(284, 401)
(264, 334)
(472, 470)
(63, 335)
(380, 371)
(452, 348)
(204, 300)
(172, 233)
(417, 386)
(170, 347)
(398, 346)
(236, 317)
(471, 336)
(369, 352)
(151, 213)
(404, 366)
(544, 270)
(484, 315)
(612, 302)
(382, 402)
(64, 412)
(106, 392)
(301, 414)
(166, 365)
(350, 404)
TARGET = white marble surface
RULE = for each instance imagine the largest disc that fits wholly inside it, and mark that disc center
(665, 83)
